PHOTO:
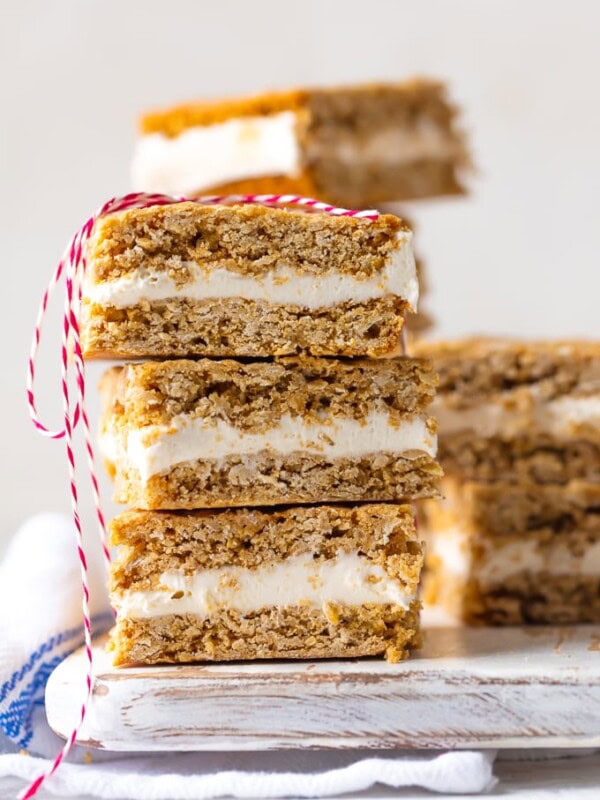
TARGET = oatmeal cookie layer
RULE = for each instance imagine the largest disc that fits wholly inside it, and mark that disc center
(244, 328)
(265, 479)
(249, 239)
(153, 542)
(520, 599)
(505, 509)
(173, 121)
(541, 459)
(376, 183)
(328, 104)
(526, 599)
(302, 185)
(298, 632)
(480, 368)
(359, 187)
(255, 395)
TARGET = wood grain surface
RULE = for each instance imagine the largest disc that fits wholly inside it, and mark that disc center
(467, 687)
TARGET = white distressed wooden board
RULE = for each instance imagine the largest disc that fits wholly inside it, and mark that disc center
(467, 687)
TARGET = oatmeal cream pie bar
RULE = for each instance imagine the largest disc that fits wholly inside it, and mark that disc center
(354, 146)
(507, 553)
(512, 411)
(199, 434)
(292, 582)
(201, 280)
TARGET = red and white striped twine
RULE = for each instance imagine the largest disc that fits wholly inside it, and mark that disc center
(71, 270)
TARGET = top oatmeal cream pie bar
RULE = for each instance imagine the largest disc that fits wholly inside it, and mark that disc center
(188, 279)
(354, 146)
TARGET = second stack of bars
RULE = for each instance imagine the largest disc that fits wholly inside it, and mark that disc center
(272, 450)
(517, 537)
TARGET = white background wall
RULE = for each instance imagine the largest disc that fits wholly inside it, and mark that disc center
(519, 256)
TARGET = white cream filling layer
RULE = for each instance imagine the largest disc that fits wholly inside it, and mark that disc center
(452, 547)
(155, 449)
(298, 581)
(559, 417)
(394, 145)
(499, 561)
(205, 156)
(282, 285)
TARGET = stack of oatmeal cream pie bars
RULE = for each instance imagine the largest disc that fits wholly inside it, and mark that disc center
(271, 443)
(269, 438)
(517, 537)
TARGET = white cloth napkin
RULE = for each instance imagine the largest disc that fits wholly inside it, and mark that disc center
(40, 622)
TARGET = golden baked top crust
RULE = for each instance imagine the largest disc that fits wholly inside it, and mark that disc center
(487, 346)
(156, 541)
(256, 394)
(505, 509)
(483, 365)
(172, 121)
(249, 238)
